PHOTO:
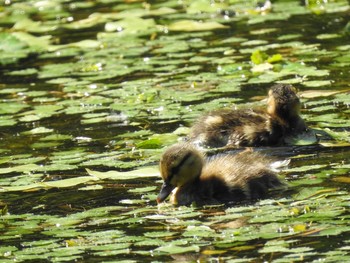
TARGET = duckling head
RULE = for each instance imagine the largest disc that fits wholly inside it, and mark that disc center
(283, 101)
(181, 164)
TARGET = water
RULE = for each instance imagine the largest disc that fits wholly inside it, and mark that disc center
(113, 104)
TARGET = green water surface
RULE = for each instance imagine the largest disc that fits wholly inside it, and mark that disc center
(91, 92)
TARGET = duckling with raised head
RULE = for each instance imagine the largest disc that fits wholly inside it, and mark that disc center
(218, 179)
(242, 127)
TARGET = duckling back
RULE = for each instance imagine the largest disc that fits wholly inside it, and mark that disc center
(230, 127)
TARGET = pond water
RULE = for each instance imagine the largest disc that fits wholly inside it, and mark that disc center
(93, 91)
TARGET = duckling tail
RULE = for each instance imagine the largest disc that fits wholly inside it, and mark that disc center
(164, 192)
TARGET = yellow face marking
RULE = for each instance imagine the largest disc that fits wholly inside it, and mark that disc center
(186, 170)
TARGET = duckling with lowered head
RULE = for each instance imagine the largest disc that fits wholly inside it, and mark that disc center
(219, 179)
(230, 127)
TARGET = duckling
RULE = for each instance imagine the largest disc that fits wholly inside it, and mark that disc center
(218, 179)
(229, 127)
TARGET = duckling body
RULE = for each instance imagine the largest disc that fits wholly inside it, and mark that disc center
(229, 127)
(219, 179)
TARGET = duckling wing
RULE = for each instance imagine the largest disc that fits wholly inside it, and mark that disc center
(242, 176)
(255, 166)
(213, 128)
(257, 129)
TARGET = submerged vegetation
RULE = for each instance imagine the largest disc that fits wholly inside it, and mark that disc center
(93, 91)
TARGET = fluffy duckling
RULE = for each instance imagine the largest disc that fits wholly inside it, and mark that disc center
(229, 127)
(219, 179)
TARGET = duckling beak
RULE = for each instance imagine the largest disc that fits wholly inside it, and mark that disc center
(164, 192)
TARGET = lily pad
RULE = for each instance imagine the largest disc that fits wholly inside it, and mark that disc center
(38, 130)
(190, 25)
(131, 25)
(306, 138)
(174, 249)
(151, 171)
(315, 83)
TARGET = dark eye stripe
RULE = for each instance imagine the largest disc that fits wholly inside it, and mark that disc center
(176, 169)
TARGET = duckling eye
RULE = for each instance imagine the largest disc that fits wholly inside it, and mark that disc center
(174, 170)
(223, 132)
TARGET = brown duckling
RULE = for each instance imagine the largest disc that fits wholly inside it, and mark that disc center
(230, 127)
(218, 179)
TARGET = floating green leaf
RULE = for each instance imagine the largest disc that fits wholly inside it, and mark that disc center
(306, 138)
(174, 249)
(316, 83)
(131, 25)
(199, 6)
(151, 171)
(38, 130)
(190, 25)
(110, 83)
